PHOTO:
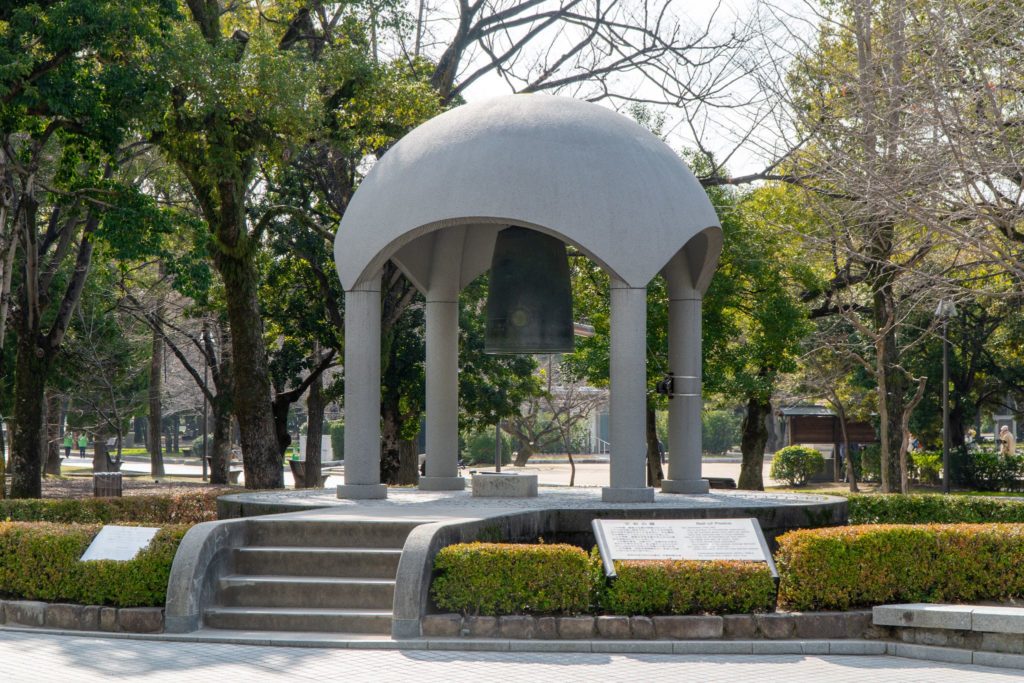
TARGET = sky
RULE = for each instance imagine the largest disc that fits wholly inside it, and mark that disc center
(747, 138)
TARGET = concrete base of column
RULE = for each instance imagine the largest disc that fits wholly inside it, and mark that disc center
(362, 491)
(442, 483)
(611, 494)
(691, 486)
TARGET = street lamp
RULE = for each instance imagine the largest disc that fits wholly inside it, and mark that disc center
(944, 311)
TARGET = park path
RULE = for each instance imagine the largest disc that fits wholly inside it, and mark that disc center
(40, 657)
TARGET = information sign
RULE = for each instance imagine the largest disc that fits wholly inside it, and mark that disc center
(681, 539)
(119, 543)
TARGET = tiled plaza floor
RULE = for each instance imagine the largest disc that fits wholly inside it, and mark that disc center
(43, 657)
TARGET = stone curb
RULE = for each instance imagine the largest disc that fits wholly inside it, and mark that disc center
(855, 648)
(88, 618)
(774, 626)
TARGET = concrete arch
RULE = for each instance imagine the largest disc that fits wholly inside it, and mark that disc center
(435, 203)
(580, 171)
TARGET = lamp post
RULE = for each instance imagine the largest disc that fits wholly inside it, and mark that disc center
(944, 311)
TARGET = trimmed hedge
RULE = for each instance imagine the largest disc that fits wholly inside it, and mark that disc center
(39, 561)
(898, 508)
(860, 566)
(506, 578)
(796, 464)
(503, 578)
(690, 587)
(189, 507)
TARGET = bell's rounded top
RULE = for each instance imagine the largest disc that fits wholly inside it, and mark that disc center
(573, 169)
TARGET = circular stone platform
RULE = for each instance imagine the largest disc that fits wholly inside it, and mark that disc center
(573, 508)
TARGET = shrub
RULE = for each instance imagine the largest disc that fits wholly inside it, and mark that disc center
(690, 587)
(480, 448)
(860, 566)
(189, 507)
(337, 432)
(505, 578)
(927, 466)
(987, 470)
(720, 430)
(39, 561)
(927, 509)
(796, 464)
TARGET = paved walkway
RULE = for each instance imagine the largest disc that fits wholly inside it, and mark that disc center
(43, 657)
(590, 474)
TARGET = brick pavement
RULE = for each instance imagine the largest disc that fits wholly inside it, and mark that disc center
(40, 657)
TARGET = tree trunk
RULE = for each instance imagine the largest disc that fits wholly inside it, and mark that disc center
(408, 463)
(752, 443)
(314, 430)
(892, 386)
(53, 418)
(654, 471)
(175, 432)
(523, 454)
(390, 459)
(156, 374)
(251, 389)
(31, 369)
(851, 470)
(3, 460)
(220, 449)
(100, 457)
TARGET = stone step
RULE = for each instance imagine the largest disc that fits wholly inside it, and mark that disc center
(238, 590)
(320, 620)
(304, 561)
(984, 618)
(330, 533)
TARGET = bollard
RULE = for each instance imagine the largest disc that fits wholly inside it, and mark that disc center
(107, 484)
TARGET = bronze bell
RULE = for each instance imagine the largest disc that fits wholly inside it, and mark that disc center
(529, 303)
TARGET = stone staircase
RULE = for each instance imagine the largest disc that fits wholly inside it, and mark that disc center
(315, 576)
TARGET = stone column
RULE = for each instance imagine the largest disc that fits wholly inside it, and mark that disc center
(362, 392)
(628, 370)
(442, 406)
(685, 404)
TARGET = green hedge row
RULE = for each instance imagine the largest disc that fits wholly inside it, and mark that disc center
(927, 509)
(39, 561)
(855, 566)
(689, 587)
(506, 578)
(189, 507)
(502, 578)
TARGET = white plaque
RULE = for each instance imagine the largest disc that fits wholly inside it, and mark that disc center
(680, 539)
(119, 543)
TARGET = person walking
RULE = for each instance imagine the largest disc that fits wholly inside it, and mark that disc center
(82, 443)
(69, 443)
(1007, 441)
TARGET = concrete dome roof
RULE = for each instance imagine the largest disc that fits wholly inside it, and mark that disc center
(566, 167)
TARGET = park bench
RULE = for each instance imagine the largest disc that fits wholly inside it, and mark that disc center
(721, 482)
(299, 472)
(233, 471)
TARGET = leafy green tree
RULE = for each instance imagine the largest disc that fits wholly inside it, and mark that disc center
(753, 318)
(74, 83)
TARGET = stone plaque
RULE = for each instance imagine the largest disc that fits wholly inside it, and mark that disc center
(119, 543)
(681, 539)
